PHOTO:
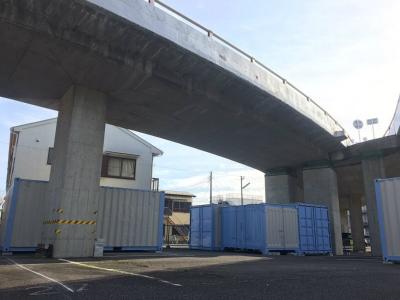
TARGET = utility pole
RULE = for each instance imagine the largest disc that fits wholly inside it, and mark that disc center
(211, 180)
(242, 188)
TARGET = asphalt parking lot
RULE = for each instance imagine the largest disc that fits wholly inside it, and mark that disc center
(185, 274)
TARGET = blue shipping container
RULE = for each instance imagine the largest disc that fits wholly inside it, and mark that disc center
(261, 227)
(229, 227)
(205, 229)
(314, 231)
(388, 205)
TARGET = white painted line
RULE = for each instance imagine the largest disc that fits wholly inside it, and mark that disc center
(147, 256)
(41, 275)
(121, 272)
(360, 259)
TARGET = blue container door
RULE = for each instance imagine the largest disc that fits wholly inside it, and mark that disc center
(255, 227)
(229, 230)
(322, 237)
(206, 227)
(307, 228)
(195, 230)
(241, 227)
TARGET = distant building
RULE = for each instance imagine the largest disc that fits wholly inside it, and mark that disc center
(235, 199)
(177, 217)
(127, 158)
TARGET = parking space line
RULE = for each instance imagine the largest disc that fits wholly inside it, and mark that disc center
(121, 272)
(360, 259)
(41, 275)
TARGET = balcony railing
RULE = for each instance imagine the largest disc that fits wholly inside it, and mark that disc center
(155, 184)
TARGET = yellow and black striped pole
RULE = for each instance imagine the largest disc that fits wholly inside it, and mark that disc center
(70, 222)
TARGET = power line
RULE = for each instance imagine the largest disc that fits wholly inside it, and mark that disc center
(195, 184)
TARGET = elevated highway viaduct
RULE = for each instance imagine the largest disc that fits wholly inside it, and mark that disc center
(142, 66)
(348, 175)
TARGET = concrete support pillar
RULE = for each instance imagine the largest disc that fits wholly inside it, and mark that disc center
(75, 173)
(356, 221)
(280, 187)
(320, 187)
(373, 168)
(344, 221)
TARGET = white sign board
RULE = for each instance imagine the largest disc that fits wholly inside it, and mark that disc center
(372, 121)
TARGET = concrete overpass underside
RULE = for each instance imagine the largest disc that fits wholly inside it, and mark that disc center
(162, 77)
(135, 65)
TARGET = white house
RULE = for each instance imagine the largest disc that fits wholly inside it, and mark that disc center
(127, 158)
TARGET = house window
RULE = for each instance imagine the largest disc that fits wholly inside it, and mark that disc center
(118, 167)
(182, 206)
(50, 156)
(168, 203)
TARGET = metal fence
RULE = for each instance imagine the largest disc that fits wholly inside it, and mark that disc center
(235, 199)
(176, 234)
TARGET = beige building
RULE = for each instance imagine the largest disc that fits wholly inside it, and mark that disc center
(177, 217)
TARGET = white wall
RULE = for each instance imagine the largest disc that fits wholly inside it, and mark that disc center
(34, 141)
(120, 141)
(31, 152)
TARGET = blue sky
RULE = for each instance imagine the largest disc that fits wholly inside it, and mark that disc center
(343, 53)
